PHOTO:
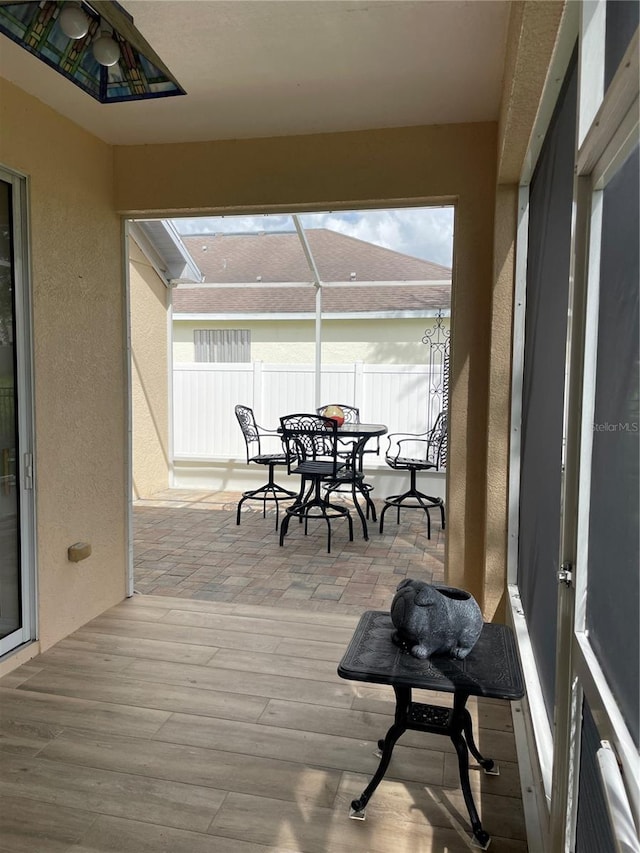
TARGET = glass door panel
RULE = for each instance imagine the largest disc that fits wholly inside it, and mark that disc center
(12, 609)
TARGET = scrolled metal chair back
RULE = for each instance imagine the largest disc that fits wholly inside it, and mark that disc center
(351, 413)
(309, 436)
(249, 427)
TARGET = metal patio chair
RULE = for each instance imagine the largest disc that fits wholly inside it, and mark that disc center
(415, 452)
(311, 443)
(254, 438)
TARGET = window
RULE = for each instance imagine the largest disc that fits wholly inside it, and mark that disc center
(222, 345)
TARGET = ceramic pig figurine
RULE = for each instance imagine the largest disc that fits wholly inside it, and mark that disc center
(433, 619)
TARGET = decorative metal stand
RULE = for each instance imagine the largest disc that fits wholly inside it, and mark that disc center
(437, 338)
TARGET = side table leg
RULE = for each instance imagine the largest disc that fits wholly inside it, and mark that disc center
(482, 838)
(403, 700)
(488, 764)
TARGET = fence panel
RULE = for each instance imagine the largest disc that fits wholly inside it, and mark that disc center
(285, 389)
(203, 408)
(205, 395)
(397, 395)
(338, 384)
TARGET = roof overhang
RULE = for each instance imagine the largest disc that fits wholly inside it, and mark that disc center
(290, 284)
(163, 246)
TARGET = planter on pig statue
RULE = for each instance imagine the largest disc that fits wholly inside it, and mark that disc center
(435, 620)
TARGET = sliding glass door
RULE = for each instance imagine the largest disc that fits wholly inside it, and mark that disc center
(16, 563)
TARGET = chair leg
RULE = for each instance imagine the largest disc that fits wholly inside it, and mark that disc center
(311, 499)
(363, 520)
(421, 501)
(271, 491)
(357, 488)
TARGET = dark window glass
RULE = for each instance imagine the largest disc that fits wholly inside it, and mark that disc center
(621, 24)
(10, 569)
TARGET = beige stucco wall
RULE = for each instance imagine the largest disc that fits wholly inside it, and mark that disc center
(452, 164)
(77, 285)
(381, 341)
(498, 430)
(149, 304)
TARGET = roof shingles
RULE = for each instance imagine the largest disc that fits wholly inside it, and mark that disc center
(278, 258)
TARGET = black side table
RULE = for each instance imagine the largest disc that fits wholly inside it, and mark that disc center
(492, 669)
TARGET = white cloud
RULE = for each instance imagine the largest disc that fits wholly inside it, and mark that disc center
(234, 224)
(425, 232)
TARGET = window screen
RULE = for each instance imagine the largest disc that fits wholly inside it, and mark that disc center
(550, 207)
(593, 829)
(222, 345)
(621, 24)
(612, 580)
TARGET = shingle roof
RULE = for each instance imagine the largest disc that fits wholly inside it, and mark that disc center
(278, 257)
(250, 300)
(256, 261)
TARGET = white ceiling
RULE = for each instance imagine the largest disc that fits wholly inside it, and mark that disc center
(259, 68)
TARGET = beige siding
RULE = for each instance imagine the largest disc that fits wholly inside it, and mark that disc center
(344, 341)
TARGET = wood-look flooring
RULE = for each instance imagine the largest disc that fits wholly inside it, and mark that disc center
(179, 726)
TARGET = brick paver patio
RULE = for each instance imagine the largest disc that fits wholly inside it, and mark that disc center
(187, 544)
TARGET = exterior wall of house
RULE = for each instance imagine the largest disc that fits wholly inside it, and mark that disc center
(452, 164)
(148, 299)
(79, 368)
(381, 341)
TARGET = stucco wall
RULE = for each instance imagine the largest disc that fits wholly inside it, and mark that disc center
(498, 433)
(148, 299)
(382, 341)
(448, 164)
(76, 259)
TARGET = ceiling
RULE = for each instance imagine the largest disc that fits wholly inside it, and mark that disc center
(260, 68)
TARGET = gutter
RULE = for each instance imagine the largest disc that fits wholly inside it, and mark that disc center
(292, 315)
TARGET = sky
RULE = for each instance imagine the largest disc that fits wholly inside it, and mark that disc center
(425, 232)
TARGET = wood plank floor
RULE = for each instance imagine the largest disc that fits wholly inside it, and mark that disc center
(176, 726)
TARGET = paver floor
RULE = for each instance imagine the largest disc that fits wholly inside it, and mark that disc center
(188, 545)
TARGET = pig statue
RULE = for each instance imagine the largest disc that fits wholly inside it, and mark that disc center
(435, 620)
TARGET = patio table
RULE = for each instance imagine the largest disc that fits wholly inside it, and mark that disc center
(358, 434)
(492, 669)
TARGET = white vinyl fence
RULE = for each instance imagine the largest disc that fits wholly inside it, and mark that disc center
(205, 394)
